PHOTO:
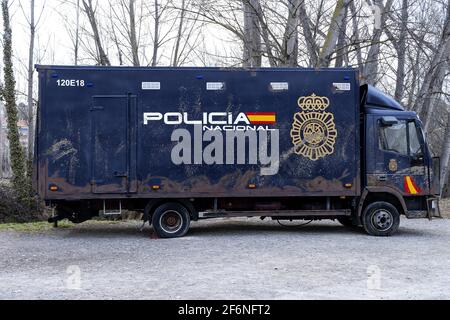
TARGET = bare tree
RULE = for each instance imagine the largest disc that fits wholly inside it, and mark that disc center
(341, 42)
(400, 47)
(179, 33)
(19, 181)
(30, 88)
(289, 52)
(90, 12)
(311, 44)
(445, 158)
(355, 38)
(336, 25)
(156, 22)
(77, 34)
(125, 25)
(435, 74)
(251, 35)
(116, 41)
(434, 91)
(73, 28)
(371, 66)
(133, 37)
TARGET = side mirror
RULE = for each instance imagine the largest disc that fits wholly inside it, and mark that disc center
(389, 121)
(417, 159)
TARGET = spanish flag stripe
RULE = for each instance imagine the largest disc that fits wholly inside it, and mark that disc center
(410, 186)
(260, 113)
(415, 185)
(262, 122)
(261, 119)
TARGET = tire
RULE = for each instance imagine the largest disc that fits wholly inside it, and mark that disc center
(171, 220)
(381, 219)
(346, 221)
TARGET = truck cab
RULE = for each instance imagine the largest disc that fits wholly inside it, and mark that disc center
(397, 164)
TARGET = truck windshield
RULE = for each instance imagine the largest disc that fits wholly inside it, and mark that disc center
(401, 138)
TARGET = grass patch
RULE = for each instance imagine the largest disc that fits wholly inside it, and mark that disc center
(41, 226)
(33, 226)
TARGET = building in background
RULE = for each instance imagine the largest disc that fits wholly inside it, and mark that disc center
(5, 163)
(5, 166)
(23, 133)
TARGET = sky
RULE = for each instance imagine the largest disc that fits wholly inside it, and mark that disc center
(53, 45)
(50, 33)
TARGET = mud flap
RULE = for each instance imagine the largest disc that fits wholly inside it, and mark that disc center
(433, 208)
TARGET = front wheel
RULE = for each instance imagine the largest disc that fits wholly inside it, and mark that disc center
(381, 219)
(171, 220)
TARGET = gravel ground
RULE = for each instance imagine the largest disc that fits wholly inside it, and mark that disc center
(227, 259)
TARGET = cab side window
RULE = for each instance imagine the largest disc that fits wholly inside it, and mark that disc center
(393, 138)
(402, 138)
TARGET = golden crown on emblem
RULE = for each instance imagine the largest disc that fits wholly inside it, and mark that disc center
(313, 103)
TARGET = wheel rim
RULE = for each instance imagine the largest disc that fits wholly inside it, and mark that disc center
(382, 219)
(171, 221)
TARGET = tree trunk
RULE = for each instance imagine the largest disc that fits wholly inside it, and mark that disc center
(401, 53)
(17, 155)
(290, 38)
(117, 44)
(103, 59)
(445, 155)
(311, 45)
(437, 63)
(371, 67)
(252, 36)
(156, 36)
(77, 34)
(2, 146)
(336, 24)
(179, 34)
(356, 38)
(340, 52)
(265, 34)
(434, 91)
(133, 36)
(30, 92)
(414, 76)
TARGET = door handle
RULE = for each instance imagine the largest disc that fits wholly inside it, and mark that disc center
(382, 178)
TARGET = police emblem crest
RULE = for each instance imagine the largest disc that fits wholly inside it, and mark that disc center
(313, 131)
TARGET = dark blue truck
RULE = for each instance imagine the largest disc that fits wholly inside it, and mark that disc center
(182, 144)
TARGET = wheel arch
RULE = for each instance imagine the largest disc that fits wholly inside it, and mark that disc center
(390, 195)
(154, 203)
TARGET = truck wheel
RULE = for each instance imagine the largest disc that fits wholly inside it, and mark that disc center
(346, 221)
(171, 220)
(381, 219)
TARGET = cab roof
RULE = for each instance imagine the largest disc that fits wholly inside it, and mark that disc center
(373, 98)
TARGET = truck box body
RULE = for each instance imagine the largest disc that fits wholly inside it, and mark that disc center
(121, 132)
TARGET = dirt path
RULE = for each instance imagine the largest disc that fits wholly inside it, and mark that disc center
(227, 259)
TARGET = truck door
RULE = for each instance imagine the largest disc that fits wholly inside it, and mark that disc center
(399, 156)
(113, 144)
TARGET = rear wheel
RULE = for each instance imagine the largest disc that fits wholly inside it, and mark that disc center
(171, 220)
(381, 219)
